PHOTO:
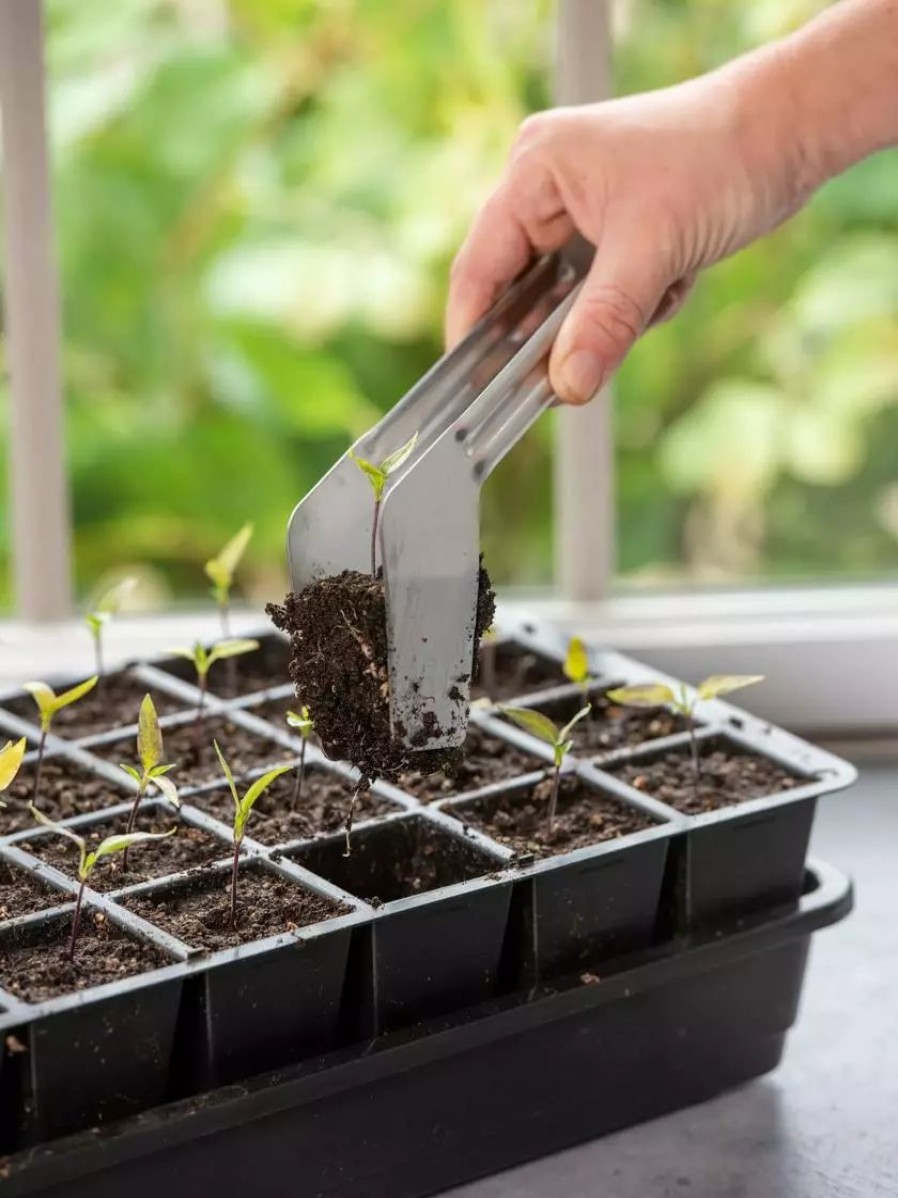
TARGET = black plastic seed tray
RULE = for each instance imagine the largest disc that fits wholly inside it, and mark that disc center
(415, 1113)
(428, 917)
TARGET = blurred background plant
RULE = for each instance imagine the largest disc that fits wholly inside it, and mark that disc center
(257, 204)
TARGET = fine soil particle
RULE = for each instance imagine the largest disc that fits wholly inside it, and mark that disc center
(517, 818)
(338, 632)
(113, 703)
(322, 807)
(234, 677)
(21, 894)
(506, 670)
(727, 777)
(66, 789)
(34, 966)
(608, 726)
(190, 746)
(396, 860)
(198, 912)
(187, 849)
(487, 759)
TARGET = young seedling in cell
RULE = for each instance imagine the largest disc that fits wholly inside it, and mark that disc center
(682, 703)
(379, 476)
(151, 770)
(91, 857)
(108, 605)
(576, 664)
(220, 571)
(204, 659)
(242, 808)
(547, 730)
(10, 760)
(304, 724)
(48, 704)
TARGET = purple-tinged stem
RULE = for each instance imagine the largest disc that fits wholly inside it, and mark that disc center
(76, 923)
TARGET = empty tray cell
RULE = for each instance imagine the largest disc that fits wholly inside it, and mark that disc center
(487, 760)
(23, 894)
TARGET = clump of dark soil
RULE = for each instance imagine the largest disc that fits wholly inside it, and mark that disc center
(485, 759)
(34, 967)
(114, 702)
(727, 777)
(396, 859)
(21, 894)
(608, 726)
(507, 671)
(517, 818)
(198, 912)
(337, 628)
(323, 807)
(66, 789)
(187, 849)
(190, 746)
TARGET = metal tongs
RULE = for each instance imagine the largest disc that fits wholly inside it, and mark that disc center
(468, 411)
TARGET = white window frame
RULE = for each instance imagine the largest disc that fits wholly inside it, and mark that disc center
(830, 653)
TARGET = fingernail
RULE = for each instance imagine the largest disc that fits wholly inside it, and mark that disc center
(581, 375)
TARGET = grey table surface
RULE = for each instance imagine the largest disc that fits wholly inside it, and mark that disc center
(823, 1125)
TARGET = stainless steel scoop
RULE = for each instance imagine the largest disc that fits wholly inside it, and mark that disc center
(468, 411)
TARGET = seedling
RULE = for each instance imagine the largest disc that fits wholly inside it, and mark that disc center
(379, 476)
(220, 571)
(89, 859)
(682, 703)
(204, 659)
(48, 704)
(242, 808)
(559, 738)
(305, 726)
(10, 760)
(576, 664)
(108, 605)
(151, 770)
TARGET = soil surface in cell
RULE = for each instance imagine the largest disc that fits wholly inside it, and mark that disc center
(337, 628)
(190, 747)
(726, 777)
(487, 759)
(518, 819)
(114, 702)
(279, 816)
(608, 726)
(39, 969)
(65, 790)
(506, 671)
(233, 677)
(267, 905)
(187, 849)
(21, 894)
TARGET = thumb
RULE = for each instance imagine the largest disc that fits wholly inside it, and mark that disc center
(614, 307)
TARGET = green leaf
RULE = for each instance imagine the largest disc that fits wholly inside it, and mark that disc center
(111, 601)
(158, 770)
(723, 684)
(534, 722)
(149, 735)
(226, 769)
(581, 715)
(576, 662)
(10, 760)
(118, 844)
(649, 694)
(374, 474)
(67, 698)
(393, 461)
(167, 788)
(187, 654)
(245, 805)
(95, 623)
(45, 698)
(302, 721)
(230, 648)
(221, 569)
(129, 769)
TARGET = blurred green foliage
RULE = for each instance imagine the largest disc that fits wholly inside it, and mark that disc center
(257, 204)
